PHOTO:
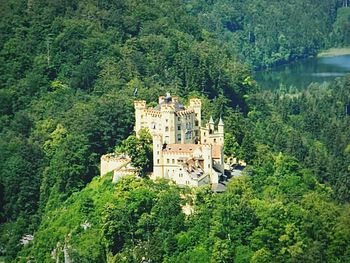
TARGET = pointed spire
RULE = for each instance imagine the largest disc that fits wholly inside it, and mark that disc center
(211, 121)
(221, 122)
(221, 126)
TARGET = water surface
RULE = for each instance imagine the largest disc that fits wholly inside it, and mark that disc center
(302, 73)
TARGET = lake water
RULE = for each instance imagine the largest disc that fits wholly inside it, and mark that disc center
(301, 73)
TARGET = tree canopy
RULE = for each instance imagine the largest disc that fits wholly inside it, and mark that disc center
(69, 71)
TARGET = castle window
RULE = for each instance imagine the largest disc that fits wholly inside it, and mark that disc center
(178, 127)
(205, 141)
(166, 120)
(167, 161)
(141, 116)
(208, 165)
(166, 128)
(204, 134)
(173, 160)
(178, 118)
(196, 123)
(157, 161)
(214, 140)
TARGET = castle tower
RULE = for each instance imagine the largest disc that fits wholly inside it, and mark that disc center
(168, 123)
(183, 132)
(221, 131)
(221, 126)
(208, 163)
(211, 125)
(196, 106)
(140, 106)
(157, 156)
(206, 150)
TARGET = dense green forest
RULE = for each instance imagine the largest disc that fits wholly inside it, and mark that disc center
(265, 33)
(68, 75)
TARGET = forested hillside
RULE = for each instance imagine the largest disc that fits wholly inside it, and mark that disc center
(340, 35)
(290, 218)
(69, 71)
(265, 33)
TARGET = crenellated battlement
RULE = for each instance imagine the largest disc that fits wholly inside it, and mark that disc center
(184, 112)
(111, 162)
(195, 102)
(140, 104)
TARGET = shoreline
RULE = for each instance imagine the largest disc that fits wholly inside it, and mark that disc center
(334, 52)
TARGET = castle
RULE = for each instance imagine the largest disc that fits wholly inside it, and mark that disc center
(183, 151)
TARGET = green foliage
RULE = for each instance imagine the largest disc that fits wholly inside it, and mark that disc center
(69, 71)
(265, 33)
(143, 220)
(231, 146)
(341, 32)
(310, 125)
(139, 148)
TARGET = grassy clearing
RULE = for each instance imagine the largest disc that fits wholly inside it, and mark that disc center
(335, 52)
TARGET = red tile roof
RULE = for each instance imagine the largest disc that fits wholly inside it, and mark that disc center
(185, 148)
(216, 151)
